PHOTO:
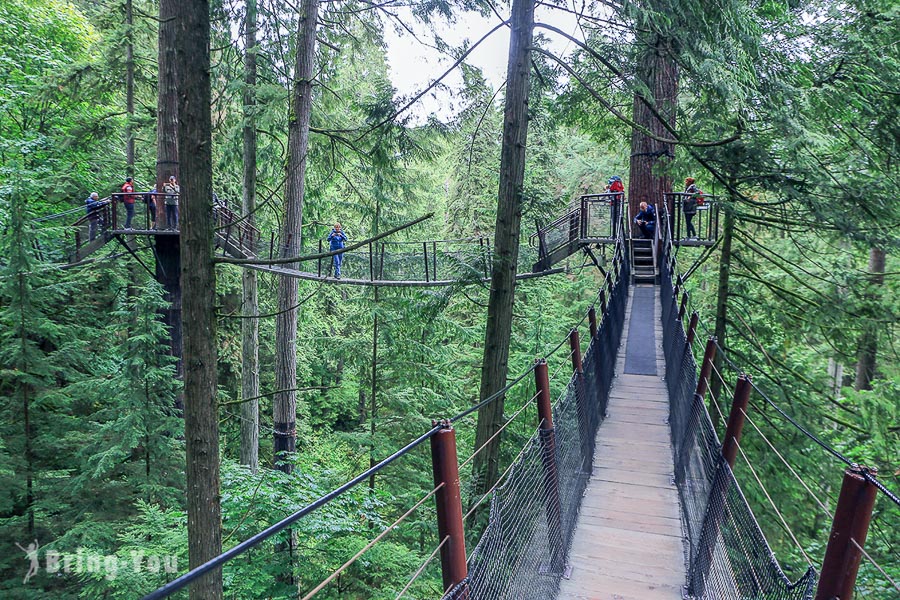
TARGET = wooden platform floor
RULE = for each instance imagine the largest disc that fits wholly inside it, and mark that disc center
(628, 542)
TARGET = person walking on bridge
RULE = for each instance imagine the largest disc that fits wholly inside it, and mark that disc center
(128, 200)
(336, 240)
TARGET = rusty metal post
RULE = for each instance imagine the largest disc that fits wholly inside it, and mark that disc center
(692, 328)
(603, 301)
(851, 524)
(581, 404)
(736, 419)
(551, 476)
(592, 320)
(448, 499)
(706, 367)
(683, 307)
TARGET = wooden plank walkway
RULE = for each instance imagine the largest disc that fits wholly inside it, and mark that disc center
(628, 542)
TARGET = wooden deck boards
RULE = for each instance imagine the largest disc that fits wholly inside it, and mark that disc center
(628, 542)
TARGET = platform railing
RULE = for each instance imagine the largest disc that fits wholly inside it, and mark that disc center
(706, 221)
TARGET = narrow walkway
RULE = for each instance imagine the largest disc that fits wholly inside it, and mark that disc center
(628, 539)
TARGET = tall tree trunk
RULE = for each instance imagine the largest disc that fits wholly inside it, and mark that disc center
(201, 421)
(867, 350)
(373, 407)
(495, 363)
(168, 247)
(658, 73)
(285, 402)
(715, 385)
(129, 87)
(250, 326)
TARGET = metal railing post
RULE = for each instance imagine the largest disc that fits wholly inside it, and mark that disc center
(592, 321)
(736, 419)
(692, 328)
(683, 307)
(320, 259)
(551, 476)
(425, 255)
(602, 301)
(581, 404)
(706, 367)
(448, 499)
(849, 529)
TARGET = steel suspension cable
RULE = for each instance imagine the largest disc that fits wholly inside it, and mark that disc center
(422, 567)
(877, 566)
(818, 501)
(502, 476)
(772, 502)
(368, 546)
(218, 561)
(502, 427)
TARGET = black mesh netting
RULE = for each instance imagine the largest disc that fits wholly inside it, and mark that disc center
(728, 556)
(521, 553)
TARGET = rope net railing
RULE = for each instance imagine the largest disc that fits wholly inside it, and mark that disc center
(728, 555)
(532, 511)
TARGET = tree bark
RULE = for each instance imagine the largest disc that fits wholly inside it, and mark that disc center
(867, 349)
(715, 385)
(249, 453)
(285, 402)
(658, 71)
(129, 87)
(198, 276)
(168, 247)
(495, 362)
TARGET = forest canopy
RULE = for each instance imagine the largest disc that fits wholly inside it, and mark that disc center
(786, 113)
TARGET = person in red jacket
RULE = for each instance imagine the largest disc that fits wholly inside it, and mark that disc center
(128, 199)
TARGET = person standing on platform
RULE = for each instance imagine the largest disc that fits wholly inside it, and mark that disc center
(689, 204)
(128, 200)
(93, 205)
(336, 240)
(172, 190)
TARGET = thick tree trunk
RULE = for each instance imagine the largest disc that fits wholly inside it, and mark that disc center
(201, 421)
(250, 326)
(658, 71)
(867, 350)
(129, 88)
(506, 242)
(168, 247)
(285, 402)
(715, 385)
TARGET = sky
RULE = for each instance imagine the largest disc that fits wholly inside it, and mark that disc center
(413, 64)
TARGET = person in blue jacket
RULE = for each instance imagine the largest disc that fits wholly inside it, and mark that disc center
(646, 220)
(93, 205)
(336, 239)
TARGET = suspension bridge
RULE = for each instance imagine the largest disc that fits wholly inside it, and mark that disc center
(625, 490)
